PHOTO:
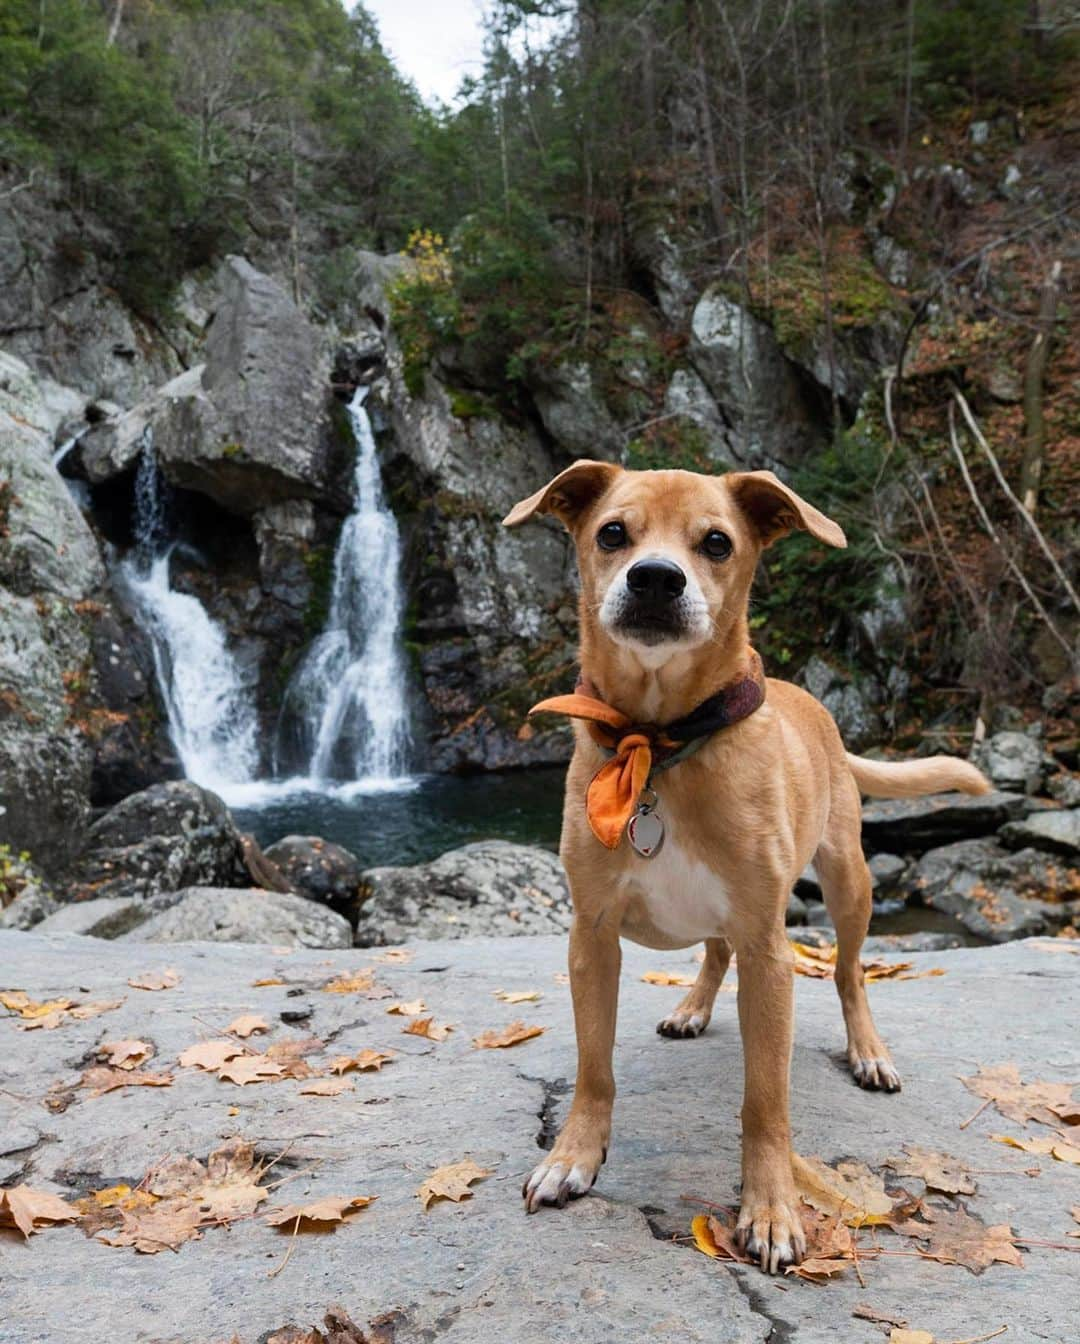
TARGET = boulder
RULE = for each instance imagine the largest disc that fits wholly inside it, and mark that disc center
(573, 410)
(25, 897)
(995, 894)
(1013, 761)
(907, 825)
(230, 915)
(491, 887)
(1055, 832)
(923, 941)
(102, 917)
(168, 837)
(319, 870)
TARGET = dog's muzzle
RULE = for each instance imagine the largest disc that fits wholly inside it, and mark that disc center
(652, 607)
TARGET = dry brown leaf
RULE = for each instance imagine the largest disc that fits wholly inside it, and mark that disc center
(817, 962)
(937, 1170)
(396, 956)
(246, 1069)
(52, 1013)
(514, 1034)
(1061, 1148)
(668, 978)
(225, 1189)
(427, 1026)
(329, 1209)
(294, 1047)
(327, 1087)
(1048, 1103)
(24, 1208)
(163, 1226)
(365, 1061)
(451, 1182)
(828, 1243)
(350, 984)
(716, 1238)
(518, 995)
(17, 1001)
(102, 1078)
(955, 1237)
(900, 1336)
(166, 979)
(267, 980)
(209, 1055)
(103, 1208)
(247, 1024)
(850, 1191)
(125, 1054)
(411, 1008)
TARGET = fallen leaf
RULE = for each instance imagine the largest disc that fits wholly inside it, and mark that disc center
(816, 962)
(365, 1061)
(518, 995)
(250, 1069)
(82, 1011)
(716, 1238)
(396, 956)
(1048, 1103)
(514, 1034)
(24, 1208)
(295, 1047)
(103, 1208)
(164, 1226)
(167, 979)
(850, 1191)
(350, 984)
(937, 1170)
(52, 1013)
(329, 1209)
(668, 978)
(427, 1026)
(898, 1336)
(209, 1055)
(955, 1237)
(246, 1025)
(102, 1078)
(269, 980)
(1061, 1149)
(864, 1312)
(412, 1008)
(451, 1182)
(16, 1001)
(226, 1188)
(125, 1054)
(327, 1087)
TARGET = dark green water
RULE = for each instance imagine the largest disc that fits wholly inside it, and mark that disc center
(413, 825)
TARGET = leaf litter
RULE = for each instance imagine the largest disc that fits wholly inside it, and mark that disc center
(451, 1182)
(52, 1013)
(514, 1034)
(166, 979)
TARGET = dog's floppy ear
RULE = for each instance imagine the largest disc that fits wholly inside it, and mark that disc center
(774, 510)
(568, 494)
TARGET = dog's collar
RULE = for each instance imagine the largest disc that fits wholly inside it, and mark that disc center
(637, 751)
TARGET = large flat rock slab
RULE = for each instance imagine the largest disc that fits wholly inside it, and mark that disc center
(605, 1268)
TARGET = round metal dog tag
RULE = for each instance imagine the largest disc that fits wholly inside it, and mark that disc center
(645, 831)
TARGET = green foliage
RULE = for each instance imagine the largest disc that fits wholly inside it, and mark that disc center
(806, 593)
(675, 442)
(983, 50)
(856, 292)
(319, 563)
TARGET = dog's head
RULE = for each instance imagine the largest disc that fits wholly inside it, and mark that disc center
(667, 557)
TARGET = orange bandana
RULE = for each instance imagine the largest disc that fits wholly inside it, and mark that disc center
(614, 790)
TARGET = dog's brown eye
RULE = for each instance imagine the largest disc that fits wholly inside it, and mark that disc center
(611, 537)
(717, 545)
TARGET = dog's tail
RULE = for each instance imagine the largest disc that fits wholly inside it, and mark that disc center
(911, 779)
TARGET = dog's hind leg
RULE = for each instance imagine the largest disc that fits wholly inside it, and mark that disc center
(692, 1015)
(846, 887)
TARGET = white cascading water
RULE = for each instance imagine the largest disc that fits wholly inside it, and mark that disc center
(212, 719)
(348, 697)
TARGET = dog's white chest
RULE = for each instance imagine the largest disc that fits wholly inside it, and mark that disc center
(681, 897)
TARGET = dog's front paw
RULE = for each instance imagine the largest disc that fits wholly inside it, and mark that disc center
(771, 1232)
(563, 1175)
(684, 1023)
(874, 1073)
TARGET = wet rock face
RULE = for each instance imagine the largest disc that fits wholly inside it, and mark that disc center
(486, 888)
(165, 838)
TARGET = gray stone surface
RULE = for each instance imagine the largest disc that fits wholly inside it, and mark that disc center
(231, 915)
(491, 887)
(903, 825)
(604, 1269)
(320, 870)
(33, 903)
(1057, 832)
(1013, 761)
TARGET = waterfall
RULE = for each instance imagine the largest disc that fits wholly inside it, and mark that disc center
(346, 703)
(212, 719)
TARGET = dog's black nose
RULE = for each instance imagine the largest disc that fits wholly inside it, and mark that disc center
(655, 580)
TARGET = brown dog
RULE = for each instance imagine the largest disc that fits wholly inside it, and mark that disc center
(666, 561)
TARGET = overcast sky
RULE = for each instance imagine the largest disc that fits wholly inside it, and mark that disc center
(435, 43)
